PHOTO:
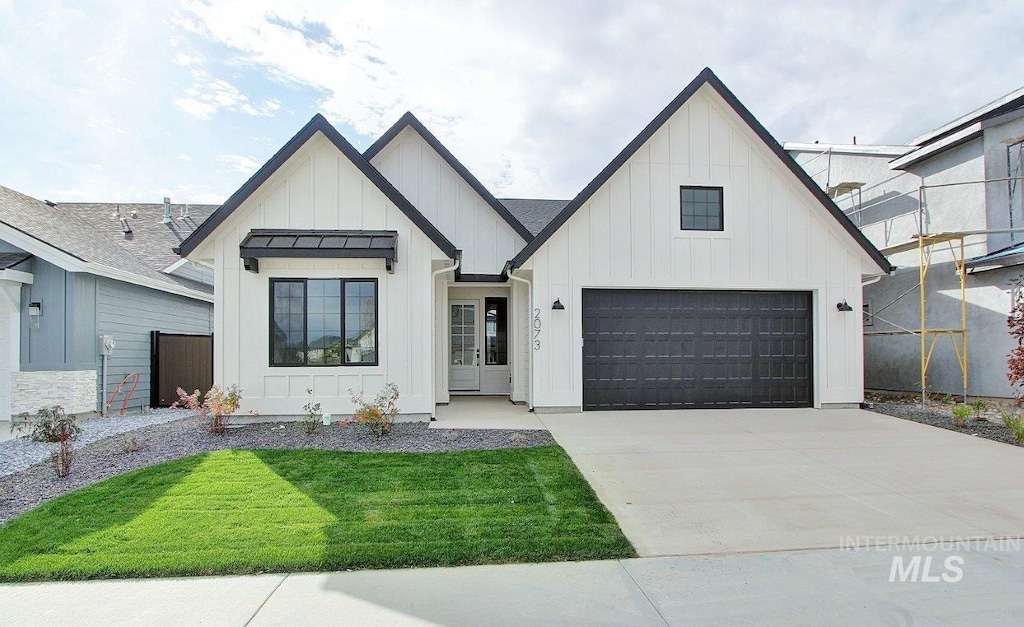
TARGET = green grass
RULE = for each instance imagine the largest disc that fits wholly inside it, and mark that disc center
(257, 511)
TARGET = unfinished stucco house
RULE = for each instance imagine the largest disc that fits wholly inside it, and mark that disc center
(960, 187)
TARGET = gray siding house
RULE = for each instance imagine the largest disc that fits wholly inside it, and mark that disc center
(962, 179)
(74, 272)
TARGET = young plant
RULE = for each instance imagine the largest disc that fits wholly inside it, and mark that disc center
(379, 413)
(313, 413)
(1015, 325)
(1014, 423)
(961, 413)
(214, 407)
(62, 458)
(980, 406)
(50, 424)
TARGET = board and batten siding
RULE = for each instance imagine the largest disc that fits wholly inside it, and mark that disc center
(627, 235)
(129, 313)
(319, 188)
(443, 197)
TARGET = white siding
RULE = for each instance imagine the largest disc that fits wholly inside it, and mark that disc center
(444, 197)
(320, 188)
(776, 237)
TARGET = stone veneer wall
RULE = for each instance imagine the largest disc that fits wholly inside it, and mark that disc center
(74, 390)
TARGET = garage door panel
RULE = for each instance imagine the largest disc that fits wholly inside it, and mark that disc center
(679, 349)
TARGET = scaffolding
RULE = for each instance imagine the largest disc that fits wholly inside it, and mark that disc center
(925, 243)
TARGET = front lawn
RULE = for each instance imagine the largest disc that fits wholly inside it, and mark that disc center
(246, 511)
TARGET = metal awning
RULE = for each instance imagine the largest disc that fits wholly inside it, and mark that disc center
(318, 244)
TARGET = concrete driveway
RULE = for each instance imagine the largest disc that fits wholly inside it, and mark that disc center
(721, 481)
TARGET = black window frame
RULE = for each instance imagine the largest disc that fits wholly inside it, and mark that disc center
(721, 207)
(305, 321)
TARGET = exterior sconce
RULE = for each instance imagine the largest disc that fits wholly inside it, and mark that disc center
(843, 306)
(557, 305)
(35, 312)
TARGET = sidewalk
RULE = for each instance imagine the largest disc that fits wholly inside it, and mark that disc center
(794, 588)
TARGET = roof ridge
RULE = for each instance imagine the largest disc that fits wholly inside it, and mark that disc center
(410, 120)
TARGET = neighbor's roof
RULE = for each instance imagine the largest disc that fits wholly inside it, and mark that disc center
(706, 77)
(1000, 105)
(963, 129)
(410, 120)
(1012, 255)
(62, 235)
(150, 240)
(317, 123)
(534, 213)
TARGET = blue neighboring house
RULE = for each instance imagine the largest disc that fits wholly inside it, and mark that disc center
(73, 272)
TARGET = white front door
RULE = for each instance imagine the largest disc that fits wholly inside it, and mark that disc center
(464, 346)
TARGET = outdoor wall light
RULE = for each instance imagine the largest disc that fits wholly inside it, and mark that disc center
(843, 306)
(557, 305)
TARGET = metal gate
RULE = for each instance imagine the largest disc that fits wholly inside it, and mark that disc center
(677, 349)
(179, 361)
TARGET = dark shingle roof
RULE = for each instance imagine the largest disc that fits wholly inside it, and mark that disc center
(65, 229)
(534, 213)
(150, 239)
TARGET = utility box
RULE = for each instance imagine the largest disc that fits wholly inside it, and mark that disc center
(107, 345)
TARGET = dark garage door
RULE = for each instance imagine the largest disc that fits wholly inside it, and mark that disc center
(674, 349)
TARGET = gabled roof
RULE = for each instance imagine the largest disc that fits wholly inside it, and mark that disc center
(58, 234)
(706, 77)
(317, 123)
(410, 120)
(534, 213)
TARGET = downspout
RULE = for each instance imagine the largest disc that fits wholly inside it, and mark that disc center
(529, 360)
(433, 286)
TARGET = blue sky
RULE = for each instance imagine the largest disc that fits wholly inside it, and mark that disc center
(132, 101)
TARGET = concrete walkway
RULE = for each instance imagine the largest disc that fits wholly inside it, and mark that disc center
(792, 588)
(484, 412)
(698, 482)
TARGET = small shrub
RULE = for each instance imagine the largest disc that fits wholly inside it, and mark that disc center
(980, 406)
(948, 399)
(1014, 423)
(313, 413)
(380, 412)
(961, 413)
(62, 458)
(215, 406)
(132, 446)
(50, 424)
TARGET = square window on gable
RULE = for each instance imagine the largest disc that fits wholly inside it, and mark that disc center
(701, 208)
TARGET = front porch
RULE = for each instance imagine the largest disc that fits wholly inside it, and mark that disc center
(484, 412)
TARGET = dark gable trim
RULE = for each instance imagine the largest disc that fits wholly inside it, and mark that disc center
(318, 123)
(408, 119)
(705, 77)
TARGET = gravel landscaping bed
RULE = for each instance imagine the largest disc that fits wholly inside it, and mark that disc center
(155, 444)
(21, 452)
(940, 416)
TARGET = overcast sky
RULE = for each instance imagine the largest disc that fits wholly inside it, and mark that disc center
(131, 101)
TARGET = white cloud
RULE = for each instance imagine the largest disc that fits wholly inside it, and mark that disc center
(246, 165)
(209, 95)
